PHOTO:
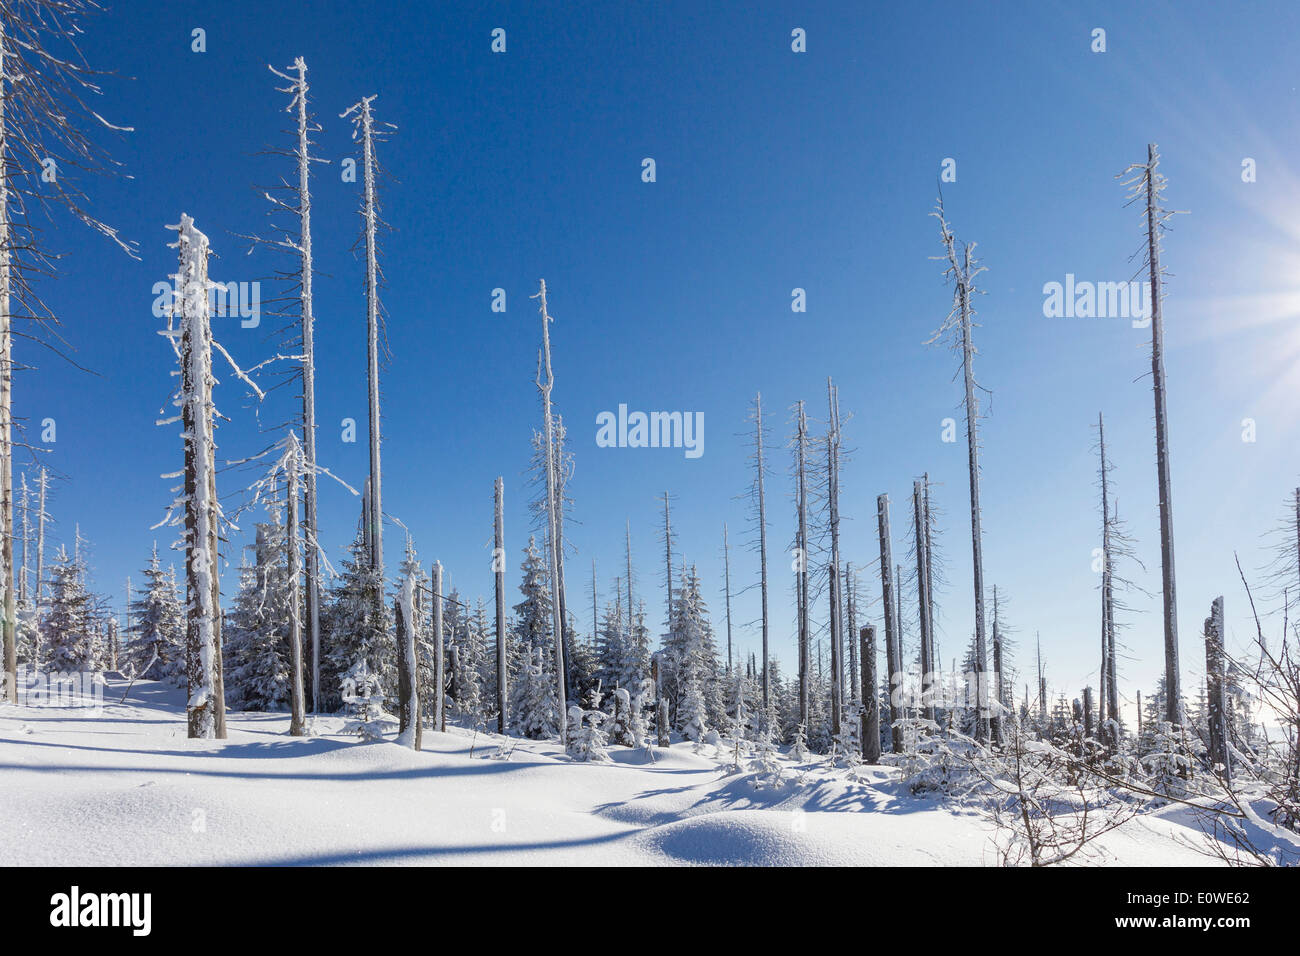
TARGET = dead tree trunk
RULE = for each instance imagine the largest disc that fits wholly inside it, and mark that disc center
(870, 697)
(849, 593)
(762, 548)
(999, 690)
(726, 577)
(833, 496)
(439, 667)
(544, 385)
(191, 311)
(499, 579)
(893, 659)
(1150, 184)
(1216, 691)
(805, 650)
(923, 601)
(297, 718)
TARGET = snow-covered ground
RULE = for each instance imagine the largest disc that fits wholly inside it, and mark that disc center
(128, 787)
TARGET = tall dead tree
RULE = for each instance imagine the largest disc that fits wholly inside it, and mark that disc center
(870, 697)
(726, 579)
(1146, 186)
(1042, 683)
(893, 657)
(1216, 681)
(499, 582)
(833, 572)
(42, 516)
(962, 271)
(669, 538)
(759, 442)
(45, 84)
(628, 538)
(364, 128)
(439, 653)
(801, 582)
(850, 596)
(411, 731)
(1003, 706)
(928, 664)
(190, 331)
(297, 241)
(1109, 687)
(545, 382)
(297, 718)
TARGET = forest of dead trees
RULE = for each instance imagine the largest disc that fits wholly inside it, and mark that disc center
(394, 641)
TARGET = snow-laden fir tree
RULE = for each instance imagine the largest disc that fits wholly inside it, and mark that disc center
(69, 636)
(689, 668)
(534, 707)
(156, 626)
(256, 633)
(358, 627)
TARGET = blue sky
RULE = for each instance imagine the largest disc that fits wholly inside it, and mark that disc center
(775, 170)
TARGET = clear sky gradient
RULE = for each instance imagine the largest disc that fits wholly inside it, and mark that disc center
(775, 170)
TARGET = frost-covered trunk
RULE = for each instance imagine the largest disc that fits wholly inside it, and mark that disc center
(308, 320)
(805, 650)
(1216, 691)
(9, 626)
(923, 601)
(870, 697)
(999, 689)
(1109, 707)
(726, 585)
(851, 632)
(372, 339)
(297, 710)
(893, 658)
(499, 581)
(553, 537)
(410, 733)
(191, 309)
(40, 540)
(1173, 686)
(439, 667)
(833, 497)
(976, 531)
(762, 547)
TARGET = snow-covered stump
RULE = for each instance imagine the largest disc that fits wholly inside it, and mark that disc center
(192, 322)
(1216, 692)
(408, 694)
(870, 697)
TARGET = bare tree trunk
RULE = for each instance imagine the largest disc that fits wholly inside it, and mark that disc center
(40, 542)
(805, 650)
(977, 547)
(214, 544)
(439, 667)
(557, 604)
(762, 549)
(726, 570)
(1216, 690)
(308, 321)
(1087, 713)
(893, 659)
(297, 719)
(854, 675)
(999, 691)
(411, 718)
(499, 579)
(200, 507)
(870, 697)
(9, 626)
(929, 570)
(661, 705)
(370, 215)
(923, 601)
(628, 532)
(1173, 687)
(833, 494)
(24, 498)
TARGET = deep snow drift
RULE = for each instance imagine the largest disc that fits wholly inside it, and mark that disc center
(128, 787)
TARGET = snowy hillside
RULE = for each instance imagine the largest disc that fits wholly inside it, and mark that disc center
(134, 790)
